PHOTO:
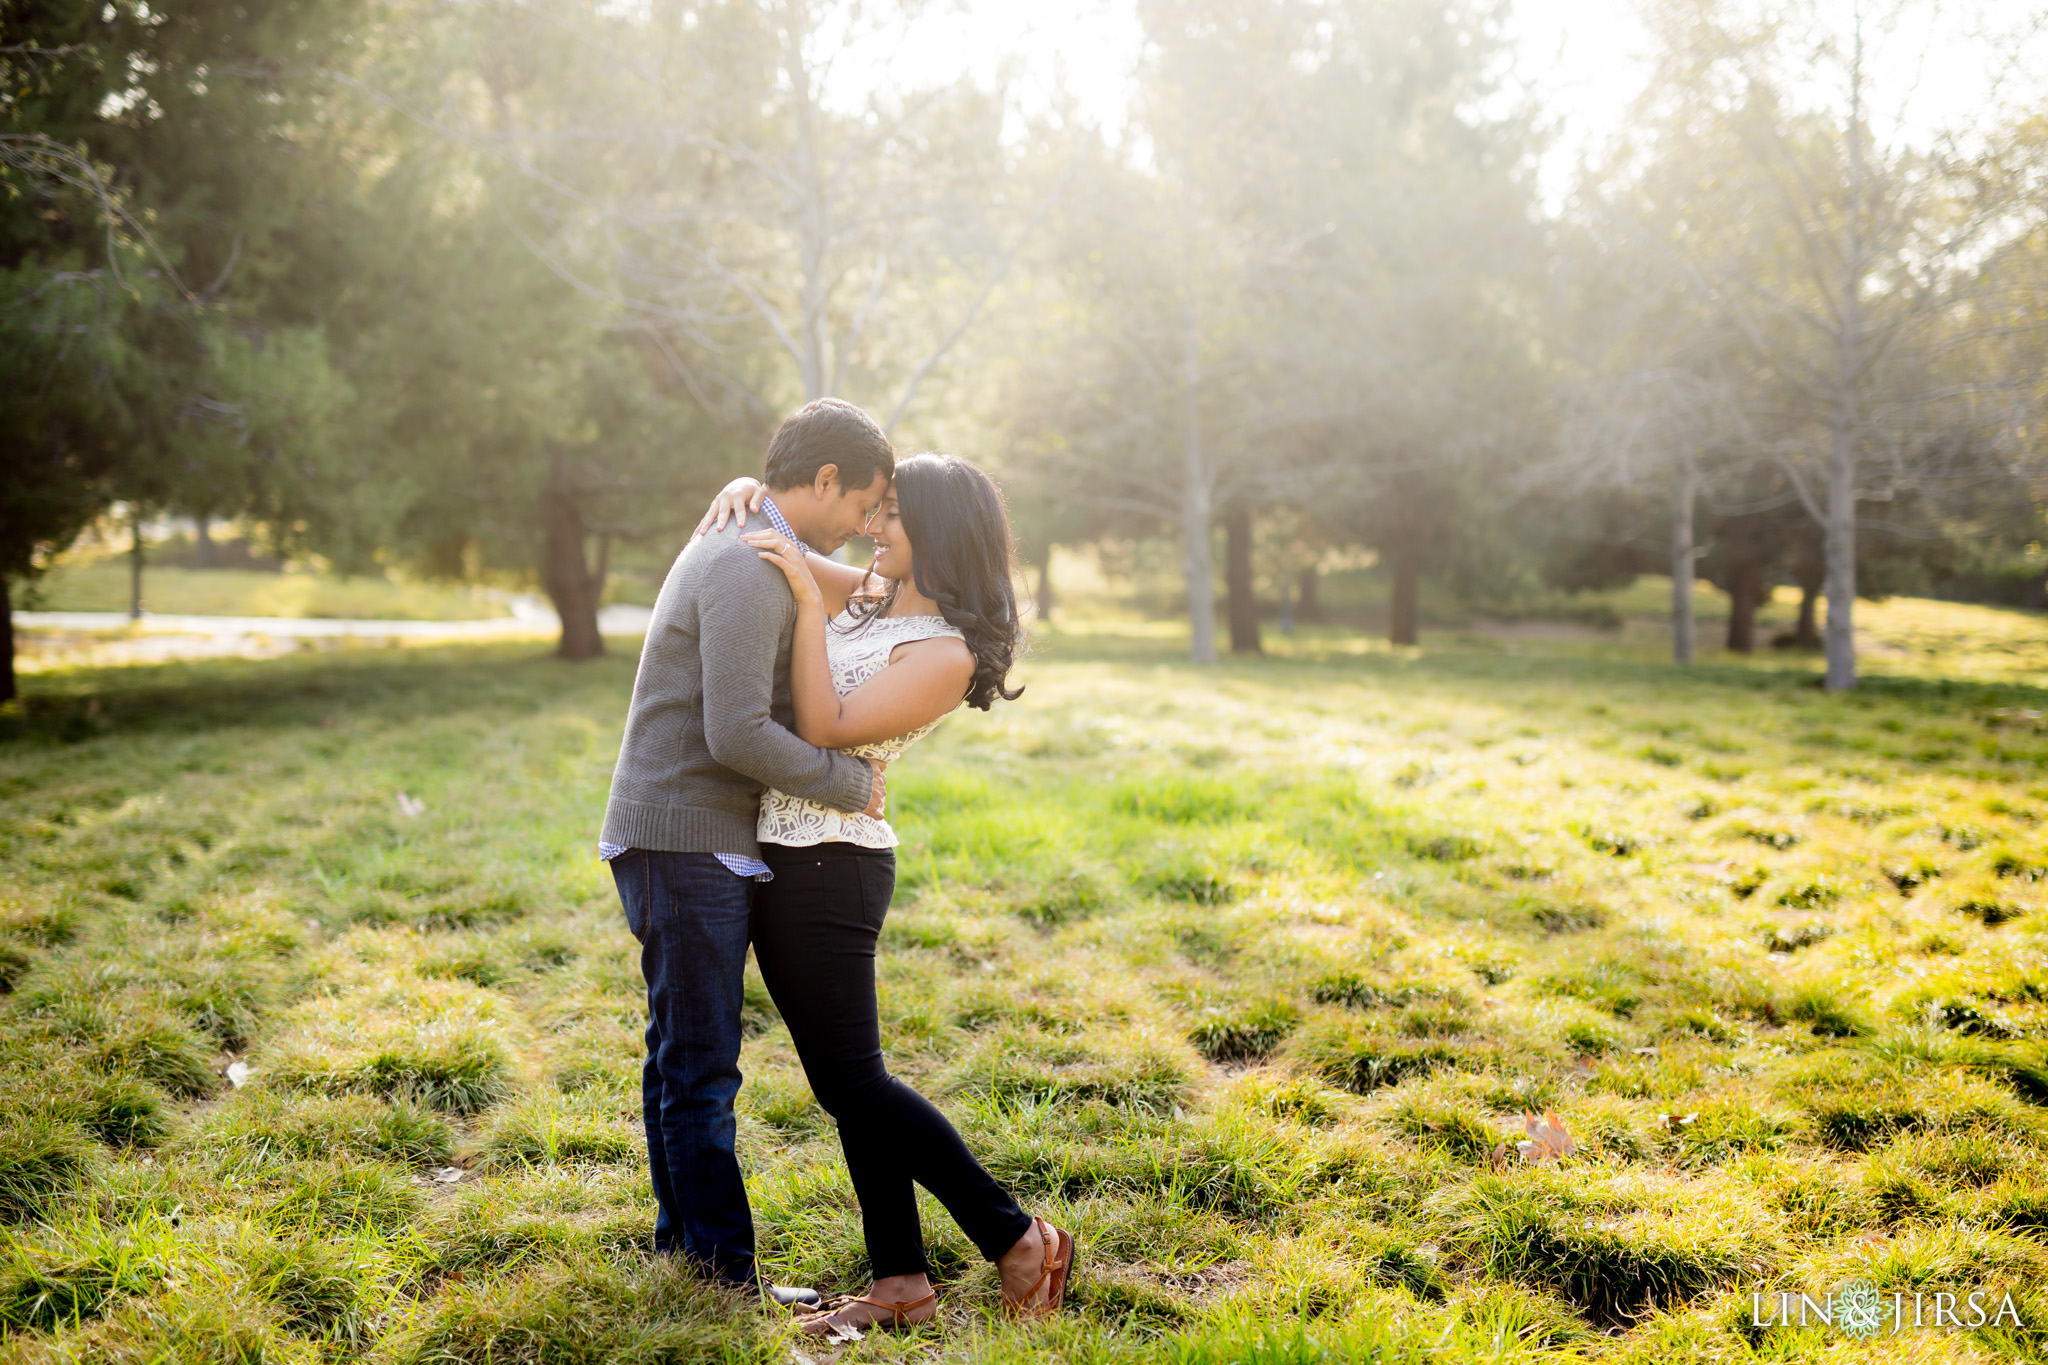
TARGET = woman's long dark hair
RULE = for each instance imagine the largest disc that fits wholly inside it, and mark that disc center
(961, 556)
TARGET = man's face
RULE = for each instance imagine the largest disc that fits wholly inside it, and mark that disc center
(847, 512)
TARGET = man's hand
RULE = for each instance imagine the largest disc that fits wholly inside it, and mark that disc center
(734, 501)
(878, 801)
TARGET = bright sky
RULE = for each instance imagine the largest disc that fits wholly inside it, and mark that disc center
(1584, 58)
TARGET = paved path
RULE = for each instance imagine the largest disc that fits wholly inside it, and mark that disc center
(62, 638)
(526, 619)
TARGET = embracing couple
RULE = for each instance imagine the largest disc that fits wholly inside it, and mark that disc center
(748, 807)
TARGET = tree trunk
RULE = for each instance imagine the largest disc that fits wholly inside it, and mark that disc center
(1045, 601)
(1841, 523)
(1306, 608)
(1683, 561)
(1841, 553)
(1237, 580)
(1745, 593)
(1194, 508)
(1286, 607)
(7, 692)
(1402, 614)
(202, 542)
(1809, 570)
(1806, 635)
(565, 574)
(135, 566)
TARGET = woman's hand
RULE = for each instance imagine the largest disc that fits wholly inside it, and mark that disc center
(788, 557)
(734, 501)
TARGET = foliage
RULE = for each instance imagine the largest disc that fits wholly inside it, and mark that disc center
(153, 352)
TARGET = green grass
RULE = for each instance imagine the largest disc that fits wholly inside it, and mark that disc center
(1246, 974)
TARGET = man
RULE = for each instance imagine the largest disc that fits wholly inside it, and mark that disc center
(709, 729)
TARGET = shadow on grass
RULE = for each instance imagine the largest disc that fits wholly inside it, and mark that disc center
(407, 684)
(398, 684)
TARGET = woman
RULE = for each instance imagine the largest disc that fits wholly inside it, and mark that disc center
(879, 657)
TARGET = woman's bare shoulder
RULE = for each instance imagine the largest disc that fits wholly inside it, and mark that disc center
(938, 651)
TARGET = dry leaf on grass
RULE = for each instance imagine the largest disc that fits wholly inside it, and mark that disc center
(1548, 1139)
(1676, 1123)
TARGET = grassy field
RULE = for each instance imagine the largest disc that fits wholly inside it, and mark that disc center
(1247, 974)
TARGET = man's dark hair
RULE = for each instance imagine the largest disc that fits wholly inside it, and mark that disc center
(829, 431)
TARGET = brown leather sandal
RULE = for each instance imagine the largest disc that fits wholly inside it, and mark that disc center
(898, 1309)
(1059, 1263)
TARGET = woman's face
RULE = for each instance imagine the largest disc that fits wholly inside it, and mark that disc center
(892, 545)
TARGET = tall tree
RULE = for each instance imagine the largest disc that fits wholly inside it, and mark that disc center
(1281, 299)
(1398, 367)
(1837, 250)
(714, 240)
(140, 154)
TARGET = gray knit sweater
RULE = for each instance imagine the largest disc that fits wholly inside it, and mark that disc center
(710, 724)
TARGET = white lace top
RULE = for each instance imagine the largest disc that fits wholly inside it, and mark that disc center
(855, 653)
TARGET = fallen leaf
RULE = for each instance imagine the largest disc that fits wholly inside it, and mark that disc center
(411, 807)
(448, 1175)
(1548, 1139)
(238, 1074)
(1678, 1122)
(799, 1358)
(1497, 1159)
(1642, 1052)
(843, 1331)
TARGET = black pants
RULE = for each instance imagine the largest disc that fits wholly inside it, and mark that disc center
(814, 929)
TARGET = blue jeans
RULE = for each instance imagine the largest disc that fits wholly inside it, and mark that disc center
(690, 915)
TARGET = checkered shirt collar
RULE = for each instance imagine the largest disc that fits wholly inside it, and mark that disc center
(780, 523)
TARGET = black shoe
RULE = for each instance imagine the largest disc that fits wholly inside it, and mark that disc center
(787, 1296)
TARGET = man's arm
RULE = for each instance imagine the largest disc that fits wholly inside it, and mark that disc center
(836, 581)
(742, 615)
